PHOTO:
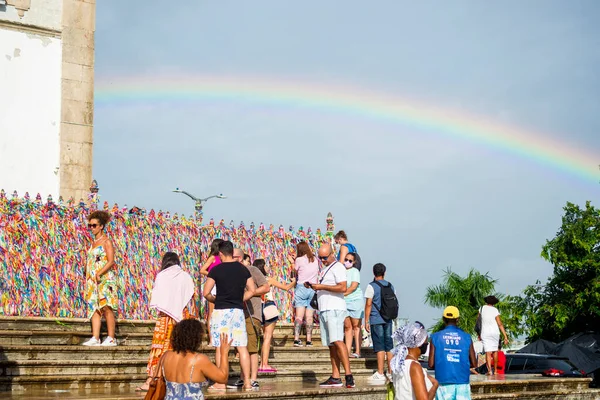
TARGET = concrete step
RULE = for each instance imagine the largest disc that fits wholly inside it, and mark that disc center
(44, 352)
(273, 390)
(110, 382)
(481, 384)
(76, 367)
(304, 390)
(75, 337)
(83, 325)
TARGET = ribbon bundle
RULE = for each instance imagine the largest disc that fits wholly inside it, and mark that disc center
(43, 249)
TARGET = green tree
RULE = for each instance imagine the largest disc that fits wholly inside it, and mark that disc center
(570, 300)
(467, 293)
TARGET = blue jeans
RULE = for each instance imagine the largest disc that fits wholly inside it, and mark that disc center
(382, 337)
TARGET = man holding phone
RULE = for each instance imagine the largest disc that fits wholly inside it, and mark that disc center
(332, 313)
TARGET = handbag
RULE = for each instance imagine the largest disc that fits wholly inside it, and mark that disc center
(270, 311)
(478, 323)
(314, 303)
(157, 389)
(391, 392)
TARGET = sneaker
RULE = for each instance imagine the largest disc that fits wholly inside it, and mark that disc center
(109, 342)
(255, 385)
(388, 375)
(376, 379)
(92, 342)
(308, 344)
(237, 384)
(331, 382)
(350, 381)
(297, 343)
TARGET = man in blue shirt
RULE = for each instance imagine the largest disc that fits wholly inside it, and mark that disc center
(452, 355)
(380, 329)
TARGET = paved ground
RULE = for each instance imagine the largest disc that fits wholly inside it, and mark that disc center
(284, 389)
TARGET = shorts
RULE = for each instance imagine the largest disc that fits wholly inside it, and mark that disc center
(253, 334)
(355, 308)
(230, 321)
(381, 335)
(332, 326)
(269, 321)
(453, 392)
(303, 296)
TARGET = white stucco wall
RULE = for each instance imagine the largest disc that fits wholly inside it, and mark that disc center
(42, 14)
(30, 101)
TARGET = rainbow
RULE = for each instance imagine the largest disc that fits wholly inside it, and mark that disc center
(355, 102)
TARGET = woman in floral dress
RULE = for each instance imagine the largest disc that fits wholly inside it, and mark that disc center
(101, 293)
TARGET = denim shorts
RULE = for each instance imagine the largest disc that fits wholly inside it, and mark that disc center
(303, 296)
(332, 326)
(381, 334)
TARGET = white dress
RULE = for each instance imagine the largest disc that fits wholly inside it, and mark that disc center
(403, 385)
(490, 333)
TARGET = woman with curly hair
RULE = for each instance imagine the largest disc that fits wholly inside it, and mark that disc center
(185, 370)
(173, 296)
(101, 281)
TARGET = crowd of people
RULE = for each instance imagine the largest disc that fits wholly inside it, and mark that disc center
(242, 309)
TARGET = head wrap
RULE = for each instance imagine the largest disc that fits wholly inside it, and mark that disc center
(407, 337)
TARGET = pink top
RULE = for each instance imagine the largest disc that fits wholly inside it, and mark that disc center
(214, 263)
(307, 271)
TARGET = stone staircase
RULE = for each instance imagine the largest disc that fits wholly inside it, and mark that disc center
(42, 358)
(44, 354)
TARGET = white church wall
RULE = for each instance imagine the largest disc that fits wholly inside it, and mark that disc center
(30, 107)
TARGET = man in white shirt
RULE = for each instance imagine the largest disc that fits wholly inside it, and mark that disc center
(332, 313)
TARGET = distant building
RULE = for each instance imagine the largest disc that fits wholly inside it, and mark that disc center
(46, 96)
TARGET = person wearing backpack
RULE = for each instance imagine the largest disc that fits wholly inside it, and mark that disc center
(381, 308)
(346, 247)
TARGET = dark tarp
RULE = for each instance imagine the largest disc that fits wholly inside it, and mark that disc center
(539, 347)
(582, 349)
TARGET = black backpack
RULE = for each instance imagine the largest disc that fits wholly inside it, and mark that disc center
(389, 302)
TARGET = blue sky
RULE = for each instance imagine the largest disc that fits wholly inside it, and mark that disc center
(415, 200)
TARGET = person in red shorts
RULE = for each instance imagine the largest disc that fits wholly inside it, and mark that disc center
(501, 366)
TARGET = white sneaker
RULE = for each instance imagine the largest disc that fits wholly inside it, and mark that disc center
(389, 377)
(376, 379)
(109, 342)
(91, 342)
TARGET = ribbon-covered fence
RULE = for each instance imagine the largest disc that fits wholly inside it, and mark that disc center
(43, 246)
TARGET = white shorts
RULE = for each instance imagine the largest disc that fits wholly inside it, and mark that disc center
(332, 326)
(230, 321)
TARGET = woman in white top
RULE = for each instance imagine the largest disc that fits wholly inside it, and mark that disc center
(410, 380)
(491, 325)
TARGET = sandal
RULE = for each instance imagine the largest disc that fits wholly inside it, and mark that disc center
(145, 386)
(268, 370)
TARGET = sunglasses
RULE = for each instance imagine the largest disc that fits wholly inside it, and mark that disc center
(348, 260)
(324, 258)
(93, 226)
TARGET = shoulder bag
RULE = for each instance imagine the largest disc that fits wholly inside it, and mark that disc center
(158, 388)
(478, 323)
(314, 303)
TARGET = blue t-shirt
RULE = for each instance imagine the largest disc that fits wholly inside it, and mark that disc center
(452, 365)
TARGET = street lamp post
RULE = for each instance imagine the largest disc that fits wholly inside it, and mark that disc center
(199, 203)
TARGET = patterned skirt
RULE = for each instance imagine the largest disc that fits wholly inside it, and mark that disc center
(161, 339)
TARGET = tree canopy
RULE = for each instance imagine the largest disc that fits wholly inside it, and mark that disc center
(570, 300)
(467, 294)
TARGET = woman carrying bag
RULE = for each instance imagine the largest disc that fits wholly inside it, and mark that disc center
(270, 315)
